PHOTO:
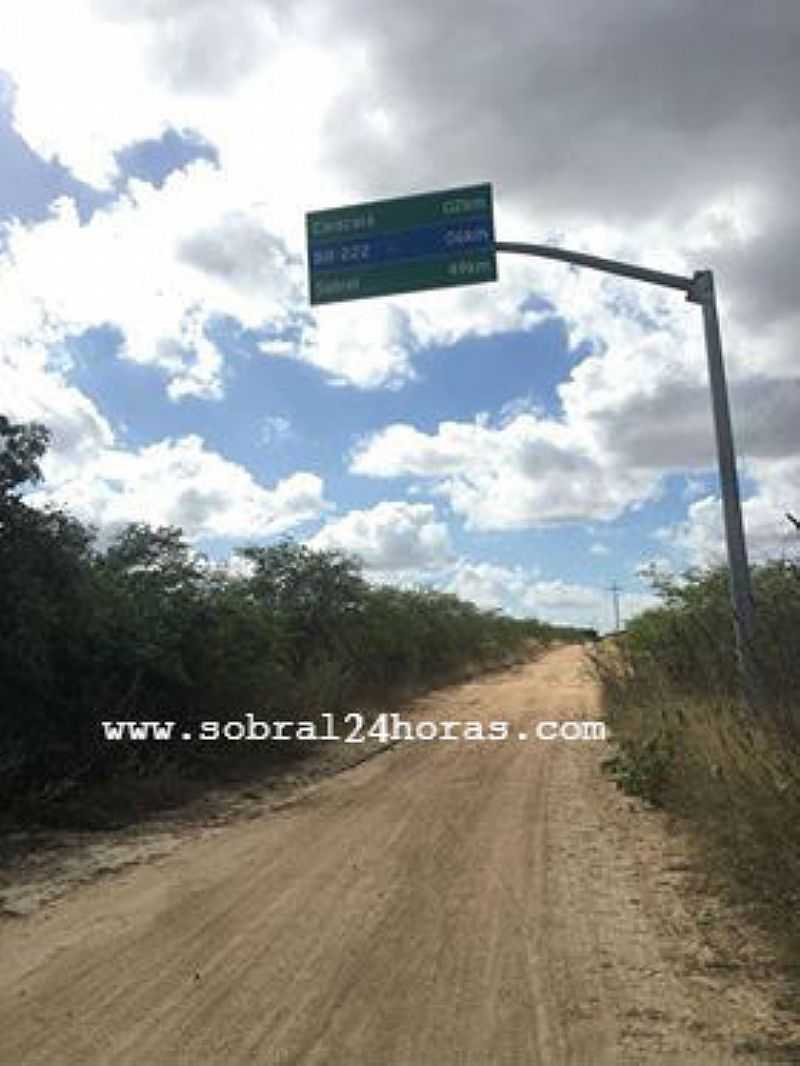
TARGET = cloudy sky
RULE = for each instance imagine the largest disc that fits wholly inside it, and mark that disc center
(524, 443)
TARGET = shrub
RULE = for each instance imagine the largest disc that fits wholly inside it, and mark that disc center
(146, 629)
(684, 740)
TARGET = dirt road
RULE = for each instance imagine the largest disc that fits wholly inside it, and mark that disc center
(442, 903)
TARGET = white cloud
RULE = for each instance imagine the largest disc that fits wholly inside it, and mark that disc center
(529, 472)
(693, 488)
(769, 534)
(521, 592)
(138, 271)
(160, 264)
(125, 79)
(180, 482)
(599, 549)
(631, 604)
(700, 536)
(491, 586)
(361, 344)
(198, 46)
(390, 537)
(557, 596)
(34, 391)
(275, 429)
(668, 183)
(637, 408)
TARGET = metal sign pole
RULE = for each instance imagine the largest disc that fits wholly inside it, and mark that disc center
(699, 289)
(702, 292)
(446, 238)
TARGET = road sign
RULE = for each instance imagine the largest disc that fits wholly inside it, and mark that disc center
(429, 241)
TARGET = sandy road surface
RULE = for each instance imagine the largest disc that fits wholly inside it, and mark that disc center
(442, 903)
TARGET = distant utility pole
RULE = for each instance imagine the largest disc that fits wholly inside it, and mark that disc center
(615, 591)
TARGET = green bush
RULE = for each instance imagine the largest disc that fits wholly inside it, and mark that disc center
(643, 767)
(145, 629)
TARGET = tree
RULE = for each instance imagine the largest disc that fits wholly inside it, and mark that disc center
(45, 603)
(21, 448)
(315, 595)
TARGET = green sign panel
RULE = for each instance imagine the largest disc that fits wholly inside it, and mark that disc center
(429, 241)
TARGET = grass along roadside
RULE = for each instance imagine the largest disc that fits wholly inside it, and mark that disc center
(682, 741)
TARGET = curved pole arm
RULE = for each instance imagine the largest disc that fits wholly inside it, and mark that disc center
(610, 266)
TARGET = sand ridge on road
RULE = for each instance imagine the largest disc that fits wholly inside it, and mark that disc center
(445, 902)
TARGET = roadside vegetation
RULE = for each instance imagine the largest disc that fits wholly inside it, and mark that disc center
(684, 740)
(147, 630)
